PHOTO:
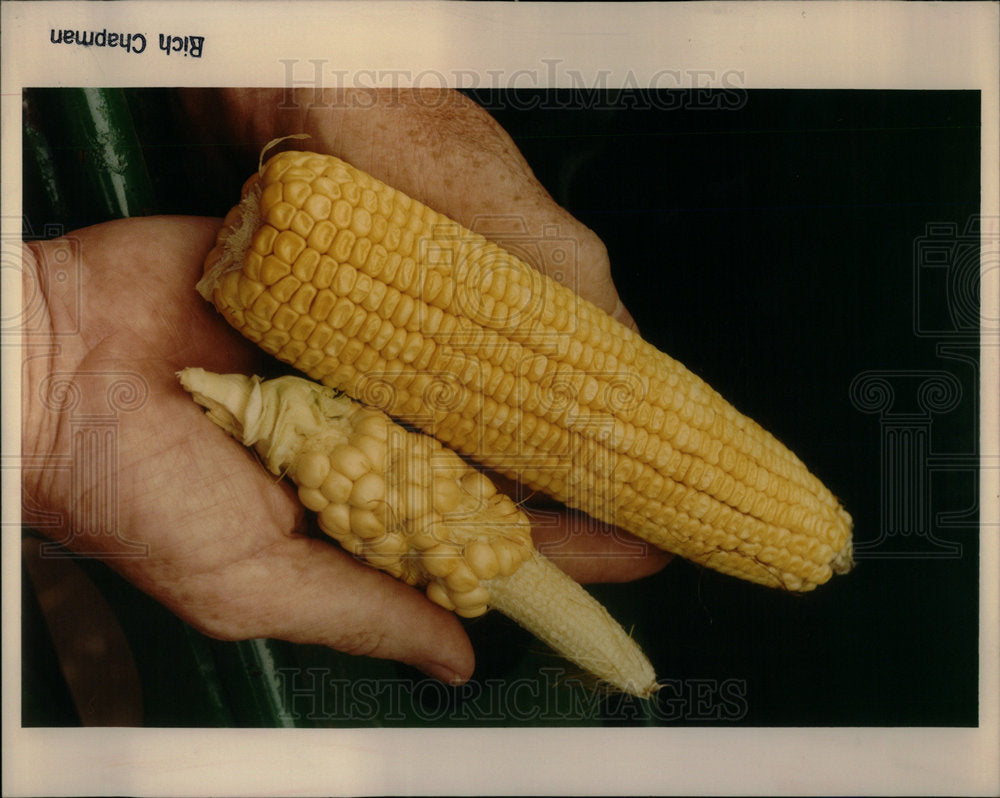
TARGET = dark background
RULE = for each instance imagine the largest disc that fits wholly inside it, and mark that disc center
(811, 254)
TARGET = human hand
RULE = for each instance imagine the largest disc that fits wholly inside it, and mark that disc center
(225, 544)
(443, 149)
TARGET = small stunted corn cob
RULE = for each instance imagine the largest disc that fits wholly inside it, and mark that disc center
(408, 506)
(375, 294)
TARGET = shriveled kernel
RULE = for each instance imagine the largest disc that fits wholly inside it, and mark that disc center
(349, 461)
(312, 499)
(311, 469)
(373, 448)
(423, 533)
(482, 559)
(336, 487)
(447, 494)
(440, 560)
(335, 520)
(368, 492)
(462, 578)
(508, 557)
(478, 485)
(380, 560)
(477, 597)
(366, 523)
(374, 425)
(437, 593)
(417, 499)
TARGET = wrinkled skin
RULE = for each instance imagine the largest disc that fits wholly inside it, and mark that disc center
(212, 535)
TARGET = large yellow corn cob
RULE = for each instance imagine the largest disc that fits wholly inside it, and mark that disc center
(407, 505)
(377, 295)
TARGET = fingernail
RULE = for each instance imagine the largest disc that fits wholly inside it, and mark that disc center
(442, 673)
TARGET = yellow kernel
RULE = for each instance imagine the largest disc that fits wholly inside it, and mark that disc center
(279, 215)
(340, 213)
(403, 310)
(352, 325)
(343, 243)
(317, 205)
(296, 192)
(271, 195)
(379, 560)
(361, 222)
(321, 237)
(285, 287)
(411, 347)
(274, 339)
(288, 246)
(305, 265)
(265, 306)
(352, 192)
(373, 297)
(362, 286)
(283, 318)
(302, 300)
(302, 224)
(509, 555)
(344, 279)
(370, 328)
(273, 269)
(351, 351)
